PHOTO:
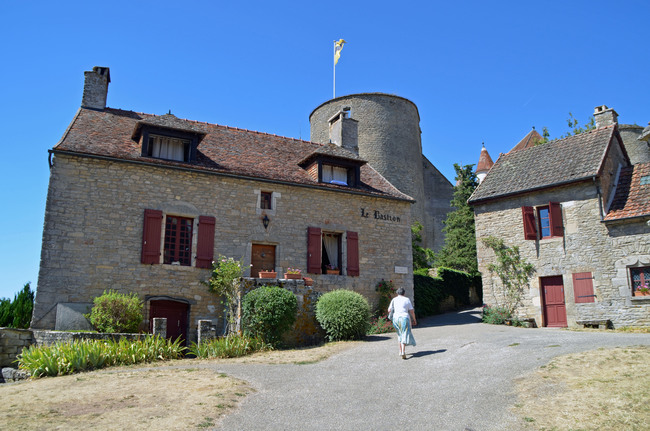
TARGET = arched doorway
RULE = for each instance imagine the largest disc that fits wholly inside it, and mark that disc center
(176, 313)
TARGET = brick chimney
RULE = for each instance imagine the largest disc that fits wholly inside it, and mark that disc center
(96, 88)
(344, 131)
(605, 116)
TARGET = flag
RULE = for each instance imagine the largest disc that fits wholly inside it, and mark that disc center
(337, 50)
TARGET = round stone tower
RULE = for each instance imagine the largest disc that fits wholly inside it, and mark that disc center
(388, 138)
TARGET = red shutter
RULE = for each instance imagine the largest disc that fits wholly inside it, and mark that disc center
(583, 287)
(530, 231)
(314, 250)
(555, 214)
(353, 253)
(205, 242)
(151, 236)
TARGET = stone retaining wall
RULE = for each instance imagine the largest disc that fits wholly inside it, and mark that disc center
(12, 342)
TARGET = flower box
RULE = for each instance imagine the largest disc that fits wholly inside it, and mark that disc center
(289, 276)
(268, 274)
(639, 293)
(333, 271)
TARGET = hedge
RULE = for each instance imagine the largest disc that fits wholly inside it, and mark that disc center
(429, 292)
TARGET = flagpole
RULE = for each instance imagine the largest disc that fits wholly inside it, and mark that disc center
(334, 71)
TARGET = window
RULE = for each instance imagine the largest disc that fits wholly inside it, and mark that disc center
(164, 147)
(335, 175)
(640, 277)
(178, 241)
(325, 251)
(265, 200)
(548, 223)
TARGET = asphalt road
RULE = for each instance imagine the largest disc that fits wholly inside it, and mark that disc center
(459, 377)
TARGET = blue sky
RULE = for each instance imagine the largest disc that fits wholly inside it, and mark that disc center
(478, 72)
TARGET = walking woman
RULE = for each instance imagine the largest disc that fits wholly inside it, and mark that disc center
(403, 315)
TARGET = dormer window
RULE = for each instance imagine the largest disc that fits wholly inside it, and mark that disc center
(335, 175)
(164, 147)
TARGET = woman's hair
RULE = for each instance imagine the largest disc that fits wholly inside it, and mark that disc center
(401, 291)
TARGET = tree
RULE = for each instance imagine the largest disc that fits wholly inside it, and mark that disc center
(422, 257)
(575, 129)
(226, 281)
(18, 313)
(513, 270)
(459, 251)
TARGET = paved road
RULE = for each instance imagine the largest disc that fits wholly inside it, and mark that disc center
(459, 377)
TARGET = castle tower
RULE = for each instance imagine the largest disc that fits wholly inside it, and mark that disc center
(388, 137)
(484, 164)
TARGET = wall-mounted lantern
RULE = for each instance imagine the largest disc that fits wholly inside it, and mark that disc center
(265, 221)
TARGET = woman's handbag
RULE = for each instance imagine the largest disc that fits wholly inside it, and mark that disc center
(390, 315)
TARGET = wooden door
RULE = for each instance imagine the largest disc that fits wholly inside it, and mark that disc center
(554, 308)
(176, 314)
(262, 258)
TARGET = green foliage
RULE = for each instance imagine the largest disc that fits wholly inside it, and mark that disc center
(386, 290)
(226, 281)
(459, 251)
(575, 128)
(268, 312)
(422, 257)
(421, 271)
(513, 270)
(495, 315)
(343, 314)
(17, 313)
(430, 292)
(116, 312)
(231, 346)
(85, 355)
(380, 325)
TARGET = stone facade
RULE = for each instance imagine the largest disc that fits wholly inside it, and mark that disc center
(93, 231)
(388, 128)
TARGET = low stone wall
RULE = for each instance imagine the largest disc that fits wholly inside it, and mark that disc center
(47, 338)
(12, 342)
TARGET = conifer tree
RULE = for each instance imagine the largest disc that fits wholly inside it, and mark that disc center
(459, 251)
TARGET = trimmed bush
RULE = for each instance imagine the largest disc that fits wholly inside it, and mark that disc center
(268, 312)
(116, 312)
(343, 314)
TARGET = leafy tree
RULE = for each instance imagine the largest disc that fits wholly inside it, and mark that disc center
(18, 313)
(226, 281)
(459, 251)
(513, 270)
(422, 257)
(575, 128)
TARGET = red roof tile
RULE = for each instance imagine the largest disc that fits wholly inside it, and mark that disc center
(632, 198)
(530, 140)
(484, 161)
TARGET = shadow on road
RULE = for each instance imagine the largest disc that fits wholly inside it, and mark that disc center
(462, 317)
(376, 338)
(427, 353)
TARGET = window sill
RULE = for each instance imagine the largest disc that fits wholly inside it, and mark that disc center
(640, 298)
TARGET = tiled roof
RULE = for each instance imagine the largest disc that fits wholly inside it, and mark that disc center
(484, 161)
(563, 161)
(530, 140)
(632, 198)
(224, 150)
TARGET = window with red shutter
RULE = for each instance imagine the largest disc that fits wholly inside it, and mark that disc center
(529, 222)
(151, 236)
(555, 212)
(583, 287)
(314, 250)
(353, 253)
(205, 242)
(178, 240)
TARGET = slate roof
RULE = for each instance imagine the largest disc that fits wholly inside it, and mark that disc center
(558, 162)
(632, 197)
(223, 150)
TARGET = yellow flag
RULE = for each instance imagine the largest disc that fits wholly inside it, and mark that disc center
(337, 50)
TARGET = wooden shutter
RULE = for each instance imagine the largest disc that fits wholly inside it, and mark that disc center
(353, 253)
(583, 287)
(530, 231)
(205, 242)
(151, 236)
(314, 250)
(555, 215)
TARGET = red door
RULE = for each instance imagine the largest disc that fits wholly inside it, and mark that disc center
(554, 309)
(176, 314)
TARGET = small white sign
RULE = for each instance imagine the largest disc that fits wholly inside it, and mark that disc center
(401, 270)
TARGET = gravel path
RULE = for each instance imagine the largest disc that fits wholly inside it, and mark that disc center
(459, 377)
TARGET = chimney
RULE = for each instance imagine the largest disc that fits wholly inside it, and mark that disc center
(605, 116)
(344, 131)
(96, 88)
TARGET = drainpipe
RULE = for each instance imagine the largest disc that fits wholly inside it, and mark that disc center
(600, 198)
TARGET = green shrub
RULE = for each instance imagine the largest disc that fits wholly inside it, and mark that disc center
(116, 312)
(231, 346)
(380, 325)
(386, 290)
(343, 314)
(268, 312)
(17, 313)
(421, 271)
(495, 315)
(84, 355)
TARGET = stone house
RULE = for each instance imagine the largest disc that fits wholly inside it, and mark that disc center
(579, 211)
(144, 203)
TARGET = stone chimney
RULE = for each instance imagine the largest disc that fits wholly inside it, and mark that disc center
(96, 88)
(605, 116)
(344, 131)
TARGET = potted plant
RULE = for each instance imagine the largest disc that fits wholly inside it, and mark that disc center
(642, 290)
(331, 269)
(293, 274)
(268, 274)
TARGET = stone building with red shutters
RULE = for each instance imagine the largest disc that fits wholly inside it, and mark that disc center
(578, 209)
(144, 203)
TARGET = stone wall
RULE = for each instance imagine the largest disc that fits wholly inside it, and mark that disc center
(588, 245)
(92, 236)
(12, 342)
